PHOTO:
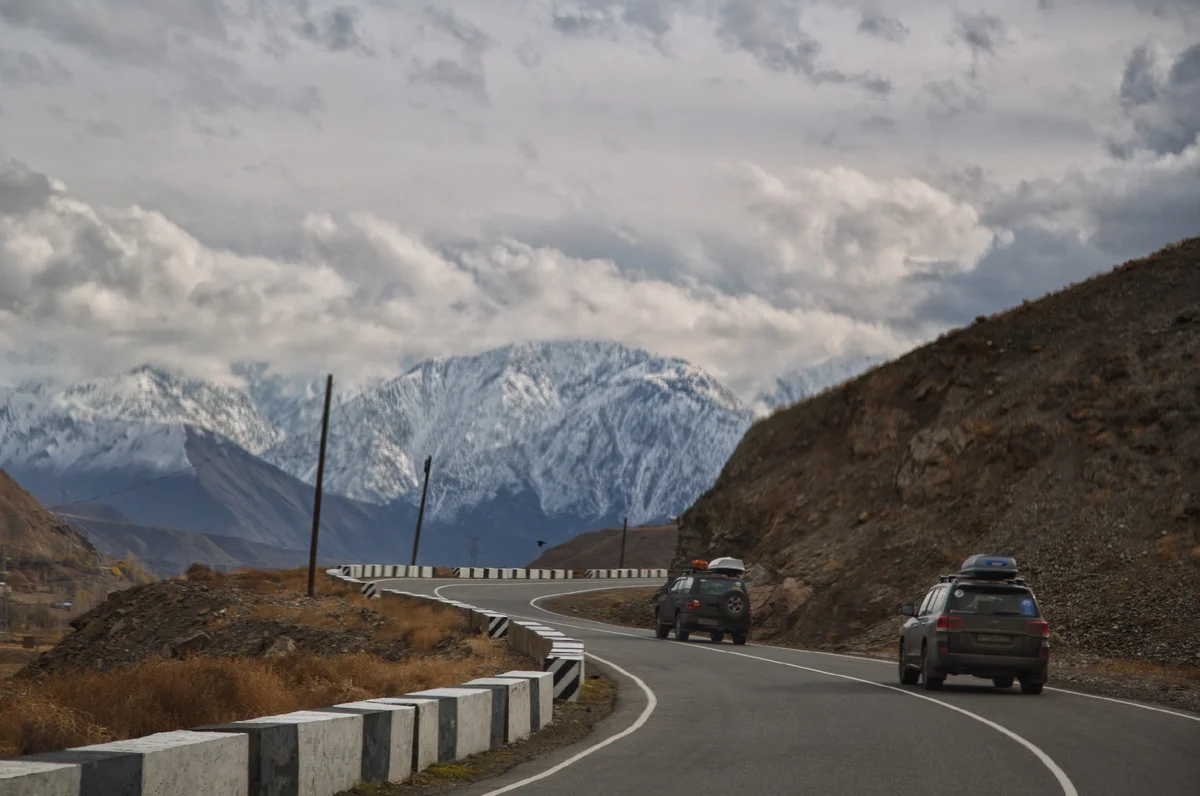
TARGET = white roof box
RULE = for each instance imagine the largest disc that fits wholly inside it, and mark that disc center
(727, 563)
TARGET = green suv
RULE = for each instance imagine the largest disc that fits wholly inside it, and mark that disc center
(983, 622)
(708, 598)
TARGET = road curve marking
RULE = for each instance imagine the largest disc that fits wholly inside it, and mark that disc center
(1064, 782)
(651, 704)
(1114, 700)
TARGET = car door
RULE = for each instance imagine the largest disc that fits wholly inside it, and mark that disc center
(911, 632)
(666, 606)
(927, 619)
(661, 601)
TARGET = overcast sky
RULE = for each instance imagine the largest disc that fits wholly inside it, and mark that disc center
(751, 184)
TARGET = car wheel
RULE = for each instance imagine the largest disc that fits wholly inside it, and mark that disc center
(717, 637)
(908, 675)
(929, 683)
(739, 639)
(1031, 688)
(1002, 682)
(680, 633)
(661, 630)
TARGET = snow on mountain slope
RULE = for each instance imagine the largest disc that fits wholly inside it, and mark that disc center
(590, 427)
(809, 381)
(133, 419)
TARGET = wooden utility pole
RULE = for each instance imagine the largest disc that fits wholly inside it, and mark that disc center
(312, 550)
(421, 511)
(624, 530)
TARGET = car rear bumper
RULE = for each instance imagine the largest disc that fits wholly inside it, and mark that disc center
(1032, 669)
(710, 624)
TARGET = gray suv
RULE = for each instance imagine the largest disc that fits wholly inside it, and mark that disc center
(704, 602)
(984, 622)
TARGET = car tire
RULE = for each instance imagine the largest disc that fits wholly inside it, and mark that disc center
(739, 639)
(1002, 682)
(908, 674)
(680, 633)
(716, 636)
(927, 682)
(1031, 688)
(735, 603)
(661, 630)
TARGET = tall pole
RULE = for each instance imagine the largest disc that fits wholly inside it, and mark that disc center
(624, 530)
(421, 511)
(312, 550)
(474, 549)
(4, 585)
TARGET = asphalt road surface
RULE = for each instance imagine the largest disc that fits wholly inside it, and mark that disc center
(702, 718)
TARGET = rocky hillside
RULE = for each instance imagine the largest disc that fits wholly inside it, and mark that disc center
(49, 562)
(1065, 432)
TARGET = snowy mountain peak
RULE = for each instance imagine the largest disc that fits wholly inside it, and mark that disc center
(808, 381)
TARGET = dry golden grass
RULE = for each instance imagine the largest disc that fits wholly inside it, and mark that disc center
(77, 708)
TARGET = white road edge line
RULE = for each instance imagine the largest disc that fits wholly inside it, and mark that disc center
(1114, 700)
(651, 704)
(1064, 782)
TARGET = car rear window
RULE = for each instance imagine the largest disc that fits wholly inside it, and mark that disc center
(717, 586)
(991, 601)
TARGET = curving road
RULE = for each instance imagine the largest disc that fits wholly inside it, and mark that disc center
(702, 718)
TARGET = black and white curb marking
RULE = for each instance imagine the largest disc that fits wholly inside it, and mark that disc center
(568, 676)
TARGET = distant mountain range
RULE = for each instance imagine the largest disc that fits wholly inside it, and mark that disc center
(532, 441)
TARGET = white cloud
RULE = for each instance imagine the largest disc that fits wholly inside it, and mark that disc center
(750, 185)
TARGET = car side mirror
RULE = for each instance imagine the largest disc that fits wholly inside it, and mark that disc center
(908, 609)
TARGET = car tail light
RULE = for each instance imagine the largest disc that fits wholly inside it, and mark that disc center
(693, 605)
(949, 623)
(1039, 628)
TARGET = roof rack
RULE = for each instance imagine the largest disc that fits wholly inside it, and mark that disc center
(988, 569)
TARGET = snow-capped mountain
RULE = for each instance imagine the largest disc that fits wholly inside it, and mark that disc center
(541, 440)
(590, 428)
(133, 419)
(808, 381)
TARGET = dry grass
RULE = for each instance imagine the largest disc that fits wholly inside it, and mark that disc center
(77, 708)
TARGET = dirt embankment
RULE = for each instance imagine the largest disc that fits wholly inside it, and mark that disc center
(1065, 432)
(217, 648)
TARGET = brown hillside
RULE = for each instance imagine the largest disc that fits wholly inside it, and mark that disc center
(646, 547)
(1065, 432)
(49, 562)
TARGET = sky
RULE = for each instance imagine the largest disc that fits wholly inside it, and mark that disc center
(753, 185)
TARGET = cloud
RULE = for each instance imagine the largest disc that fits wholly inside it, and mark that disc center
(18, 67)
(611, 18)
(111, 288)
(1161, 104)
(465, 73)
(951, 97)
(876, 22)
(336, 30)
(772, 33)
(983, 33)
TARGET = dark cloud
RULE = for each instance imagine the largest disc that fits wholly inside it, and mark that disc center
(18, 67)
(878, 124)
(983, 33)
(22, 189)
(336, 30)
(144, 34)
(771, 33)
(951, 97)
(529, 150)
(1162, 105)
(652, 18)
(464, 74)
(875, 22)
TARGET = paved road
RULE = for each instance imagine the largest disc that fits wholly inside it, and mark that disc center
(708, 718)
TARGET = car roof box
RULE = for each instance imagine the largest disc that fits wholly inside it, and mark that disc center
(984, 567)
(727, 565)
